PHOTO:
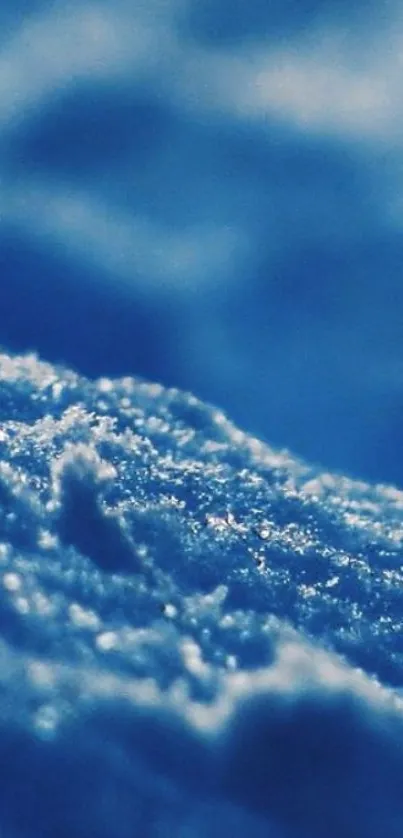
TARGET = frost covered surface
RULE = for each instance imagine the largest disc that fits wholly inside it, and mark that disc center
(200, 636)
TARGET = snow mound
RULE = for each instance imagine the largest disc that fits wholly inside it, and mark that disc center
(200, 636)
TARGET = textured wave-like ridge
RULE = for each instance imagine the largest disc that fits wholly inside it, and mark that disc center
(200, 636)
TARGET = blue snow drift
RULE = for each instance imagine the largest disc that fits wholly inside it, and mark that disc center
(200, 636)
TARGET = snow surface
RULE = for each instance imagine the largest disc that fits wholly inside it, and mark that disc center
(200, 636)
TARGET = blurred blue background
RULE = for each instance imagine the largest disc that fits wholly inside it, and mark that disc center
(209, 193)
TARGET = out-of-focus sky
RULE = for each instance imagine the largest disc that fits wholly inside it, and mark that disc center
(209, 193)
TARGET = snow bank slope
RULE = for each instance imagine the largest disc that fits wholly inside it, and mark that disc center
(200, 636)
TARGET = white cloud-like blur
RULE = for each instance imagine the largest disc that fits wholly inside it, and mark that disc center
(126, 245)
(326, 81)
(267, 184)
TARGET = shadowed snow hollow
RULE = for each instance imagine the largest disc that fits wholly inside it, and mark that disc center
(200, 636)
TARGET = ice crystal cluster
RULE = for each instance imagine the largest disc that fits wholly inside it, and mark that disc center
(200, 637)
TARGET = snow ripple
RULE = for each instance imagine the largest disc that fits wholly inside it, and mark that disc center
(200, 636)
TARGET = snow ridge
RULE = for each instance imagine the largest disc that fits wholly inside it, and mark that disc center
(200, 635)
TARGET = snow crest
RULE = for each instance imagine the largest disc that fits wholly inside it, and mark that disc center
(200, 636)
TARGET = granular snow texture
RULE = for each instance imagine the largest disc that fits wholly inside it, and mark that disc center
(200, 637)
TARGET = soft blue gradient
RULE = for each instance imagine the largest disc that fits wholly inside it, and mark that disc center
(209, 194)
